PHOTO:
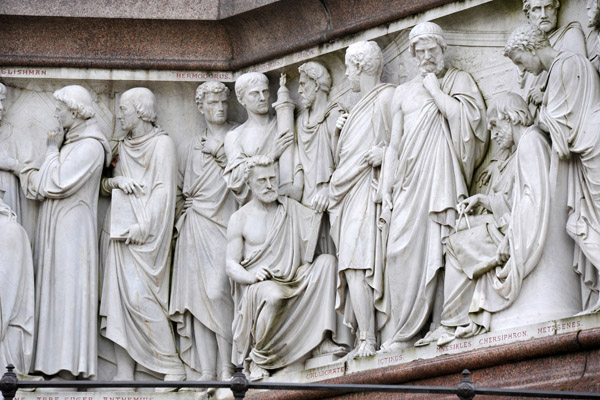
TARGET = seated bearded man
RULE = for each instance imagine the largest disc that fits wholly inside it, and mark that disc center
(284, 300)
(491, 254)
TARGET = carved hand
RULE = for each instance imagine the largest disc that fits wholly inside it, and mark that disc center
(469, 203)
(341, 121)
(431, 83)
(283, 141)
(386, 200)
(485, 176)
(263, 274)
(374, 156)
(128, 185)
(320, 200)
(135, 235)
(210, 145)
(503, 251)
(188, 203)
(55, 138)
(535, 96)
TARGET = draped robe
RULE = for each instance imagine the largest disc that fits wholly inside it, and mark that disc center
(564, 38)
(520, 205)
(8, 181)
(571, 111)
(66, 251)
(437, 157)
(201, 287)
(134, 303)
(280, 320)
(316, 148)
(17, 302)
(352, 208)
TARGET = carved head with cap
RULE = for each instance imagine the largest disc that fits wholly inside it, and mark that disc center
(428, 46)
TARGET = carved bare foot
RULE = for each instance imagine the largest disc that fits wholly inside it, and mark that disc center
(366, 348)
(257, 372)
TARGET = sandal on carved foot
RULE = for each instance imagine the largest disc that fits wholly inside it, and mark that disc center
(327, 346)
(257, 373)
(432, 336)
(469, 330)
(392, 347)
(445, 339)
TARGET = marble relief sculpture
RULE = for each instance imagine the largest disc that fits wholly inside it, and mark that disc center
(367, 218)
(65, 254)
(353, 189)
(571, 115)
(201, 303)
(17, 303)
(257, 136)
(439, 136)
(593, 39)
(284, 296)
(570, 37)
(317, 141)
(488, 258)
(134, 302)
(10, 160)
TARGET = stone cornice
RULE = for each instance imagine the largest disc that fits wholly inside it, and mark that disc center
(240, 34)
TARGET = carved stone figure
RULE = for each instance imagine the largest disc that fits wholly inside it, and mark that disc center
(201, 303)
(134, 303)
(284, 299)
(593, 39)
(439, 137)
(570, 37)
(257, 136)
(66, 245)
(16, 292)
(352, 190)
(317, 141)
(572, 116)
(10, 166)
(488, 258)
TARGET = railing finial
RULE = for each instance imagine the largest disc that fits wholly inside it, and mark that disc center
(9, 383)
(466, 388)
(239, 383)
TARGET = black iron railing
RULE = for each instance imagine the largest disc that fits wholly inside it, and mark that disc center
(239, 385)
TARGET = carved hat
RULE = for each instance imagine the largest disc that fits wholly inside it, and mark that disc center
(425, 28)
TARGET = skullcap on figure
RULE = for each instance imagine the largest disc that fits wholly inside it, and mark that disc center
(425, 28)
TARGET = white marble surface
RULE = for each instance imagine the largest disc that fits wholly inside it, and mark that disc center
(476, 32)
